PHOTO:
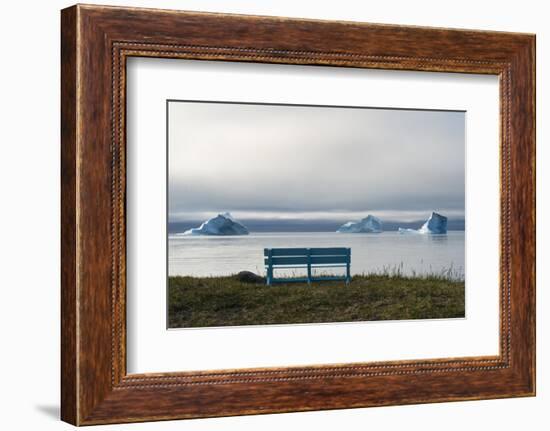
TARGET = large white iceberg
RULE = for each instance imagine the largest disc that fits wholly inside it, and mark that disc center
(369, 224)
(222, 224)
(436, 224)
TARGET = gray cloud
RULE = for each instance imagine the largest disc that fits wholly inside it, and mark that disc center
(295, 159)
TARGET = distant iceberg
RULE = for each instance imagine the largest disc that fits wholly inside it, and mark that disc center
(369, 224)
(222, 224)
(436, 224)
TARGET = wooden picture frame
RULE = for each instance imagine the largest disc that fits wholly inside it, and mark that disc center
(95, 43)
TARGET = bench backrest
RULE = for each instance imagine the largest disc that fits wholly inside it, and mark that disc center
(307, 256)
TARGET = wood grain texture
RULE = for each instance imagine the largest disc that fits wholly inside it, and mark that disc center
(69, 397)
(96, 41)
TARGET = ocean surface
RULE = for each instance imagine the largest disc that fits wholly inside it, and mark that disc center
(384, 252)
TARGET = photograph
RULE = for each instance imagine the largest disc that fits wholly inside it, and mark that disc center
(304, 214)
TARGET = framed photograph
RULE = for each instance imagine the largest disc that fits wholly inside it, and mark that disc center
(263, 214)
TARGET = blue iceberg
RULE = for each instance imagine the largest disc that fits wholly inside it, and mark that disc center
(222, 224)
(369, 224)
(436, 224)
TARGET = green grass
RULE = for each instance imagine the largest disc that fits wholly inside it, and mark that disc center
(225, 301)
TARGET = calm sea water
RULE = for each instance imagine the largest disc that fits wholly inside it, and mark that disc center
(420, 254)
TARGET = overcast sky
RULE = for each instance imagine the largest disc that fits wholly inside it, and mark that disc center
(268, 161)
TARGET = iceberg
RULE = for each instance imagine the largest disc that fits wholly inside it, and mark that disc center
(222, 224)
(369, 224)
(436, 224)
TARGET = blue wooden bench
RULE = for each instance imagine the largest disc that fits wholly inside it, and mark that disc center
(309, 258)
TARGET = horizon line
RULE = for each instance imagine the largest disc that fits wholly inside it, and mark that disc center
(336, 217)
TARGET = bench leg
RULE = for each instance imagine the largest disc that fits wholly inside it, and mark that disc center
(308, 266)
(269, 275)
(269, 268)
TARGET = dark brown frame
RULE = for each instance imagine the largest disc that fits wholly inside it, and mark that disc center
(95, 42)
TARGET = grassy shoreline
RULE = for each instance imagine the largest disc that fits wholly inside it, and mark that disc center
(225, 301)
